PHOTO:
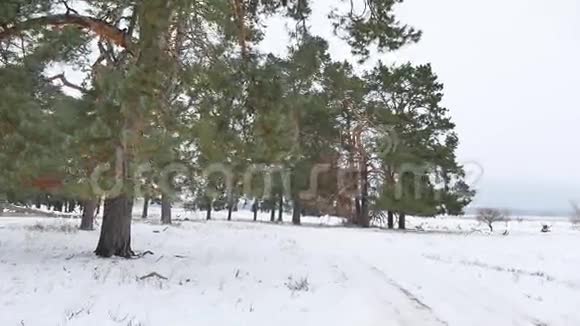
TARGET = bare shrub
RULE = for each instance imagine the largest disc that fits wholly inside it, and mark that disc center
(298, 285)
(489, 216)
(53, 227)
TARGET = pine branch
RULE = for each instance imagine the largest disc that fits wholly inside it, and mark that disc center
(101, 28)
(67, 83)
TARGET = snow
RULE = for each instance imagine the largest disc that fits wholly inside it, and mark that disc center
(245, 273)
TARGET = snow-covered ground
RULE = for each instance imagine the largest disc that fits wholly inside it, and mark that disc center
(244, 273)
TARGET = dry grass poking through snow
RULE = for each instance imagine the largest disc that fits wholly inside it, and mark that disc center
(61, 226)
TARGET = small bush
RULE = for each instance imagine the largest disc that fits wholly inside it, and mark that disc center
(298, 285)
(489, 216)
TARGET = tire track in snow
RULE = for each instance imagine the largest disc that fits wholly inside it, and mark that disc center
(408, 294)
(517, 271)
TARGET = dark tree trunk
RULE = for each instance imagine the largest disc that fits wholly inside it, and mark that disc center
(402, 225)
(357, 212)
(115, 239)
(72, 206)
(281, 207)
(37, 203)
(130, 202)
(145, 213)
(88, 218)
(98, 207)
(230, 207)
(390, 220)
(296, 212)
(255, 210)
(208, 214)
(165, 209)
(273, 211)
(364, 219)
(58, 206)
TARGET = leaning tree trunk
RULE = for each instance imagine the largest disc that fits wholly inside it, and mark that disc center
(296, 212)
(145, 213)
(281, 207)
(115, 237)
(402, 225)
(88, 218)
(165, 209)
(390, 220)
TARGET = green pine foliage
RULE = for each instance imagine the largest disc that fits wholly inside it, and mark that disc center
(186, 82)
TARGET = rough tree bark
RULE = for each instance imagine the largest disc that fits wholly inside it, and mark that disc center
(390, 220)
(145, 213)
(364, 219)
(296, 212)
(115, 239)
(208, 213)
(281, 207)
(230, 207)
(165, 209)
(273, 211)
(402, 221)
(356, 219)
(88, 218)
(255, 210)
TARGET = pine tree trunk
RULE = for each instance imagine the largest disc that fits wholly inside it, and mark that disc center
(115, 239)
(273, 211)
(357, 212)
(145, 213)
(130, 202)
(390, 220)
(230, 207)
(255, 210)
(58, 206)
(281, 207)
(364, 218)
(296, 212)
(98, 207)
(88, 218)
(165, 209)
(208, 214)
(402, 225)
(71, 206)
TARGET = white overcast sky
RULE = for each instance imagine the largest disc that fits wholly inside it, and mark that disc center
(511, 70)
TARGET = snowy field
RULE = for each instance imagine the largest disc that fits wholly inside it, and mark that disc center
(449, 272)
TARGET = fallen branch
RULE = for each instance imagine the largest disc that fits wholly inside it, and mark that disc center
(143, 254)
(153, 274)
